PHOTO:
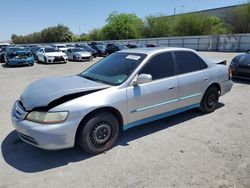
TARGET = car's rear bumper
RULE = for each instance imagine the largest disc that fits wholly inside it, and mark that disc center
(226, 86)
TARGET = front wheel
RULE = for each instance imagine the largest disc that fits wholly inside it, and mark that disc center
(45, 60)
(99, 133)
(210, 100)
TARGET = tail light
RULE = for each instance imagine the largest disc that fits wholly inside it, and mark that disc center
(230, 73)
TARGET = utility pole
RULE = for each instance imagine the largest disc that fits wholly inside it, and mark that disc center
(80, 31)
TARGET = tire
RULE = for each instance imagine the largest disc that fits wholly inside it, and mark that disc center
(45, 60)
(210, 100)
(74, 58)
(99, 133)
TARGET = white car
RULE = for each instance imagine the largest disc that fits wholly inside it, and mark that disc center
(61, 47)
(78, 54)
(51, 55)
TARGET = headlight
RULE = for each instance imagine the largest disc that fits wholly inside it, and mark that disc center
(47, 117)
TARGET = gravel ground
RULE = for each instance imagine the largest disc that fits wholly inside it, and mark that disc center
(185, 150)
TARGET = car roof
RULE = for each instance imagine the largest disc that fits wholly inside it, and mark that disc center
(154, 50)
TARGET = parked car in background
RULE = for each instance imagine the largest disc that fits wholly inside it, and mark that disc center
(151, 45)
(61, 47)
(87, 48)
(131, 45)
(111, 48)
(78, 54)
(51, 55)
(34, 48)
(4, 45)
(121, 91)
(70, 45)
(2, 52)
(18, 56)
(101, 49)
(97, 43)
(136, 45)
(240, 66)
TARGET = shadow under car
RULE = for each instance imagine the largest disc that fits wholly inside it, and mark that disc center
(29, 159)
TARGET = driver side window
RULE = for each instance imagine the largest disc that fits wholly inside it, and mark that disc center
(159, 66)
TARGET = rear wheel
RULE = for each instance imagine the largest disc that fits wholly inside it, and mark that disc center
(99, 133)
(210, 100)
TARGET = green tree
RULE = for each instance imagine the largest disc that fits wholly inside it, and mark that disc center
(197, 24)
(58, 33)
(123, 26)
(157, 26)
(239, 20)
(96, 34)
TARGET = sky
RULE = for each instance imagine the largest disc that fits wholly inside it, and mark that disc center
(23, 17)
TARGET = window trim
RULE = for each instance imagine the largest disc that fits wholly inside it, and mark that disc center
(176, 63)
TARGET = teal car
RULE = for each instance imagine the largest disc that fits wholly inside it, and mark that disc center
(18, 56)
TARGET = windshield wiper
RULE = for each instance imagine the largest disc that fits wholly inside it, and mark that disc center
(93, 79)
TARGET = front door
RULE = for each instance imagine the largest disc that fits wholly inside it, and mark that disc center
(146, 102)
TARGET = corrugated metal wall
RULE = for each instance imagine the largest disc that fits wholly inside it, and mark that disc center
(230, 43)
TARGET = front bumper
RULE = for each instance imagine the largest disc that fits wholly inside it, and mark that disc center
(19, 62)
(84, 58)
(57, 59)
(226, 86)
(50, 137)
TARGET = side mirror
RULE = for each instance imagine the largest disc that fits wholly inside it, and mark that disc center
(143, 79)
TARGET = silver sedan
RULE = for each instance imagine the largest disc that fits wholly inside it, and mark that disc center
(78, 54)
(124, 90)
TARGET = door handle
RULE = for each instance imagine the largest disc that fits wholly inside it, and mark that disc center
(171, 88)
(205, 79)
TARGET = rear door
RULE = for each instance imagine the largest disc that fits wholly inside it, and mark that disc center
(157, 97)
(193, 77)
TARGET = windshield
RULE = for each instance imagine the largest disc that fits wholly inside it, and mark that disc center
(85, 46)
(121, 47)
(114, 69)
(102, 47)
(78, 50)
(61, 46)
(51, 50)
(14, 49)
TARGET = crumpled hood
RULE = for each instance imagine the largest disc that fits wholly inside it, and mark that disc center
(42, 92)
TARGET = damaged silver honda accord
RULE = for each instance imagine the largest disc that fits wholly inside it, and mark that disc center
(123, 90)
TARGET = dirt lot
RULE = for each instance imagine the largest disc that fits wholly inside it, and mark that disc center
(186, 150)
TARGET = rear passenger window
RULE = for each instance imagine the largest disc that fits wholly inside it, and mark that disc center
(189, 62)
(159, 66)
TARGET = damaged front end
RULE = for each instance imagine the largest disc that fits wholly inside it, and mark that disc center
(19, 58)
